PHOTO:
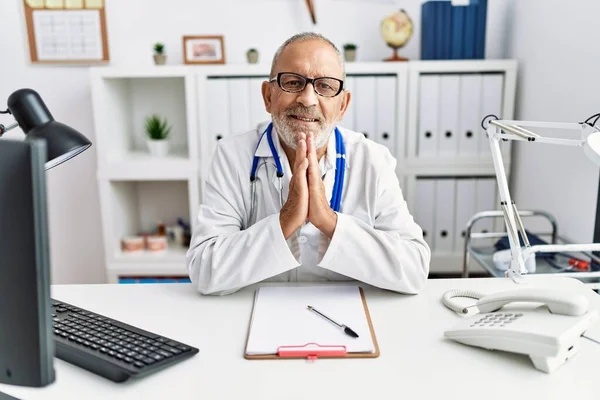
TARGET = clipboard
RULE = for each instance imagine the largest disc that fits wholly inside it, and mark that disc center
(313, 350)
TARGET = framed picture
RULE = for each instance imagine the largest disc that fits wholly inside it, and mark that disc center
(203, 50)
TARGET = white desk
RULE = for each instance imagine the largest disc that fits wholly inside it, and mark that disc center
(416, 361)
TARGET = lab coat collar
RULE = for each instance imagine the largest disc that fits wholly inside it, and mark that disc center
(263, 149)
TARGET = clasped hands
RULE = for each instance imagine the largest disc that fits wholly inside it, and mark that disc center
(306, 199)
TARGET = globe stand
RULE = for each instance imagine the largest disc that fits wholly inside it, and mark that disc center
(396, 57)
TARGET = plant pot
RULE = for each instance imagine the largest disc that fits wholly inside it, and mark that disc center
(252, 57)
(158, 148)
(350, 55)
(160, 59)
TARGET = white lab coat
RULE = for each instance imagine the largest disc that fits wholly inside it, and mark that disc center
(376, 240)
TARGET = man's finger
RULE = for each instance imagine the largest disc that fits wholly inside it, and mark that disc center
(313, 168)
(300, 151)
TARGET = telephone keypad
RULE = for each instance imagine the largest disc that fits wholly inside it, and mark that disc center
(496, 319)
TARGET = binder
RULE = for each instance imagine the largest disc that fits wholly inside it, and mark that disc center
(239, 105)
(486, 201)
(444, 216)
(470, 132)
(364, 86)
(386, 112)
(425, 209)
(348, 120)
(491, 103)
(428, 115)
(458, 26)
(217, 112)
(449, 112)
(282, 327)
(465, 209)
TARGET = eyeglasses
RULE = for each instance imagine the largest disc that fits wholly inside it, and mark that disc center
(295, 83)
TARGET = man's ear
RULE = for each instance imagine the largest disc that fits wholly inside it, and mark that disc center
(266, 94)
(346, 97)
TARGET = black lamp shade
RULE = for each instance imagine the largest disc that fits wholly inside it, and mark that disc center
(34, 118)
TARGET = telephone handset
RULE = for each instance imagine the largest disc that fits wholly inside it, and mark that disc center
(549, 333)
(558, 302)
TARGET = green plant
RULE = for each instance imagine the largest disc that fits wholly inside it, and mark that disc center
(253, 50)
(159, 48)
(157, 128)
(349, 46)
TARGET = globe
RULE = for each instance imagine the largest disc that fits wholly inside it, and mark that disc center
(396, 31)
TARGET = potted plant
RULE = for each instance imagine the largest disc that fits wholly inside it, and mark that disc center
(160, 58)
(252, 55)
(350, 52)
(158, 134)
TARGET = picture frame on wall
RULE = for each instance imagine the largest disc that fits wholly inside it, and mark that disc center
(204, 49)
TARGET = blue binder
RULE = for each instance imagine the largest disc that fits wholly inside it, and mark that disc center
(458, 27)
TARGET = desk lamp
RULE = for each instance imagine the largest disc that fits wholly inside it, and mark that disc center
(498, 130)
(32, 115)
(26, 341)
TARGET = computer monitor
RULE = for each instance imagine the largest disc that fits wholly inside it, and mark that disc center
(26, 340)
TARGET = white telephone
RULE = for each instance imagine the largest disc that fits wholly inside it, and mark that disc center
(549, 333)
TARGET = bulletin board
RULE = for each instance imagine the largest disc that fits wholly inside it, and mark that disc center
(66, 31)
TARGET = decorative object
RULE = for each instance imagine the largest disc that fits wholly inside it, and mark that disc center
(66, 32)
(156, 243)
(160, 58)
(396, 30)
(203, 50)
(350, 52)
(158, 134)
(132, 244)
(252, 55)
(311, 10)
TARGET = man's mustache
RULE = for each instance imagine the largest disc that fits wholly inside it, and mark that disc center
(306, 112)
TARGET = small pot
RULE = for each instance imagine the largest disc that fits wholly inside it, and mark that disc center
(160, 59)
(158, 148)
(350, 55)
(252, 57)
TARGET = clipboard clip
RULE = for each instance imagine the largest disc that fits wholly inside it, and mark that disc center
(311, 351)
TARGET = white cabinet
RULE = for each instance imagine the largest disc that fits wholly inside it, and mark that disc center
(427, 113)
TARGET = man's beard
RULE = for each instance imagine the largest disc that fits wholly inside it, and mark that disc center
(288, 130)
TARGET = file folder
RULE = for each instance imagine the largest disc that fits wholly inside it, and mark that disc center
(281, 326)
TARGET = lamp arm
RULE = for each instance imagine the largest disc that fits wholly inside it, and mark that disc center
(6, 128)
(511, 216)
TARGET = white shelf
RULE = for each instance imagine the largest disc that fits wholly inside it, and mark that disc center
(140, 165)
(456, 167)
(173, 255)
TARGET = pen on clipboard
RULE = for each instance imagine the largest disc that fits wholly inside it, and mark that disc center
(345, 328)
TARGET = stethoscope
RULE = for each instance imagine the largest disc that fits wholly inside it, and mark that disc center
(338, 186)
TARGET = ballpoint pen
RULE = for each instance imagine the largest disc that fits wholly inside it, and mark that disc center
(345, 328)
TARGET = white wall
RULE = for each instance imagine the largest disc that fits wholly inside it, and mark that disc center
(556, 43)
(133, 26)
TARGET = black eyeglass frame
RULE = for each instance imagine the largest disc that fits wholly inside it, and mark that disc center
(307, 81)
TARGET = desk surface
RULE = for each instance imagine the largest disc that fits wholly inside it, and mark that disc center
(416, 361)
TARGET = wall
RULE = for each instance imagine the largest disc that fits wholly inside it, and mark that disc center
(133, 26)
(558, 81)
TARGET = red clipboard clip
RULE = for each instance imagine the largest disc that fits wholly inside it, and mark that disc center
(311, 351)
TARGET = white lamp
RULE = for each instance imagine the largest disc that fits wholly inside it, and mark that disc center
(498, 130)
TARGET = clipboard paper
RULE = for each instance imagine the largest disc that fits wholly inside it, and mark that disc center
(281, 326)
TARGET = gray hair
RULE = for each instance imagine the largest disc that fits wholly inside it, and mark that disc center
(302, 37)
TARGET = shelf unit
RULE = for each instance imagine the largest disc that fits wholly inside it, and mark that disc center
(208, 102)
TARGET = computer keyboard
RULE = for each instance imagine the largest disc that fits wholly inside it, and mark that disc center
(111, 348)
